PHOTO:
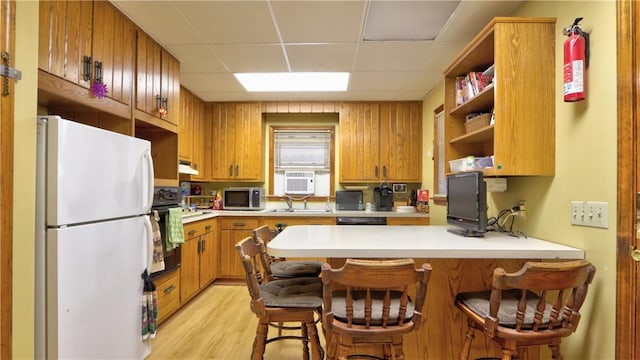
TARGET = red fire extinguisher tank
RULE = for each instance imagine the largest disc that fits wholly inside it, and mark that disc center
(575, 64)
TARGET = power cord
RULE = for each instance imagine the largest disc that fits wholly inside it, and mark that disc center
(498, 223)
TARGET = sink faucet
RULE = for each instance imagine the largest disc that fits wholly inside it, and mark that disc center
(287, 199)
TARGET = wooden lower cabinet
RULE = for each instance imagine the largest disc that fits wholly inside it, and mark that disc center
(199, 253)
(285, 221)
(418, 220)
(232, 230)
(168, 290)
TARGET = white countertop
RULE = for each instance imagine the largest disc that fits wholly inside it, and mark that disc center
(370, 241)
(207, 214)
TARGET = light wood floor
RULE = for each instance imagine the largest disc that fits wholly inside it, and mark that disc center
(218, 324)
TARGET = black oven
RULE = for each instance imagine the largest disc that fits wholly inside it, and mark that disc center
(165, 198)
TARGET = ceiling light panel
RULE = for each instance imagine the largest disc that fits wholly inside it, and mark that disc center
(406, 20)
(288, 81)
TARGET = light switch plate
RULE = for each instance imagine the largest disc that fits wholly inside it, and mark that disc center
(590, 213)
(399, 188)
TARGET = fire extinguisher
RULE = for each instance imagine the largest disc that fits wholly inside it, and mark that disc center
(576, 62)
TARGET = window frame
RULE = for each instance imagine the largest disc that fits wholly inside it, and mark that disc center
(439, 195)
(332, 161)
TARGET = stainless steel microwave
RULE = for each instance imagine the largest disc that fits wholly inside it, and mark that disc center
(243, 198)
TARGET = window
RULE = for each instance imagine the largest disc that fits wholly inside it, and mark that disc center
(439, 178)
(301, 149)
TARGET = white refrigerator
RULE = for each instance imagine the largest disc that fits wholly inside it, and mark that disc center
(93, 241)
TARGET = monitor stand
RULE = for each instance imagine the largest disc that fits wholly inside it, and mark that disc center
(465, 232)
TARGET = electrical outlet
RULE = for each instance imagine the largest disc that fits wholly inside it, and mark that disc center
(399, 188)
(522, 208)
(590, 213)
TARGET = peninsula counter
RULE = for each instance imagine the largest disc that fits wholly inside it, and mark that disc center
(459, 264)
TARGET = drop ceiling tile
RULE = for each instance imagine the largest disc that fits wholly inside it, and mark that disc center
(196, 58)
(319, 21)
(441, 55)
(473, 16)
(203, 82)
(228, 22)
(251, 58)
(378, 80)
(406, 20)
(160, 20)
(321, 57)
(391, 56)
(422, 80)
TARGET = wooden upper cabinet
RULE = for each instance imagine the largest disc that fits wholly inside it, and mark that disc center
(401, 141)
(65, 38)
(381, 141)
(201, 142)
(113, 50)
(85, 41)
(237, 151)
(185, 134)
(522, 97)
(157, 84)
(359, 142)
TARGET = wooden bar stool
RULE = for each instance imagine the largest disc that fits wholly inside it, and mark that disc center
(367, 301)
(537, 305)
(281, 268)
(280, 301)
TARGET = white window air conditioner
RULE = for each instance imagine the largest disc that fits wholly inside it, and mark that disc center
(298, 182)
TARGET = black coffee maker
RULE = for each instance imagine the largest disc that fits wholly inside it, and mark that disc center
(383, 197)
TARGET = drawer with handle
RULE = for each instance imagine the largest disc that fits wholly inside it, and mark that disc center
(236, 223)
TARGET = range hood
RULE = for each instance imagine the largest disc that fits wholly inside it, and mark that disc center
(184, 167)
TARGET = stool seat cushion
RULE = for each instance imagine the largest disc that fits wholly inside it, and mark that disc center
(339, 308)
(297, 292)
(301, 268)
(479, 303)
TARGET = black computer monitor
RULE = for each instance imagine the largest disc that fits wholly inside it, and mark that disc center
(467, 203)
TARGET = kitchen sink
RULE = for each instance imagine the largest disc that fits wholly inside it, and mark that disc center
(307, 211)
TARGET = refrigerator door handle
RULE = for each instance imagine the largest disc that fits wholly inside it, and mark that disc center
(150, 184)
(147, 224)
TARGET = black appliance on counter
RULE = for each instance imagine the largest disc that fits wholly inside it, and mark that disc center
(383, 197)
(361, 220)
(165, 198)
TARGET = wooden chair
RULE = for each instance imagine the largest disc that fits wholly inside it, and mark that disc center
(281, 268)
(280, 301)
(367, 301)
(537, 305)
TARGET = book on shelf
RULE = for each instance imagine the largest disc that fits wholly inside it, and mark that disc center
(472, 84)
(489, 74)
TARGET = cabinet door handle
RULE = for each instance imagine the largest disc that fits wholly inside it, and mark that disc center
(98, 76)
(86, 70)
(238, 224)
(375, 171)
(199, 246)
(384, 172)
(230, 170)
(203, 246)
(207, 228)
(237, 170)
(191, 233)
(169, 289)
